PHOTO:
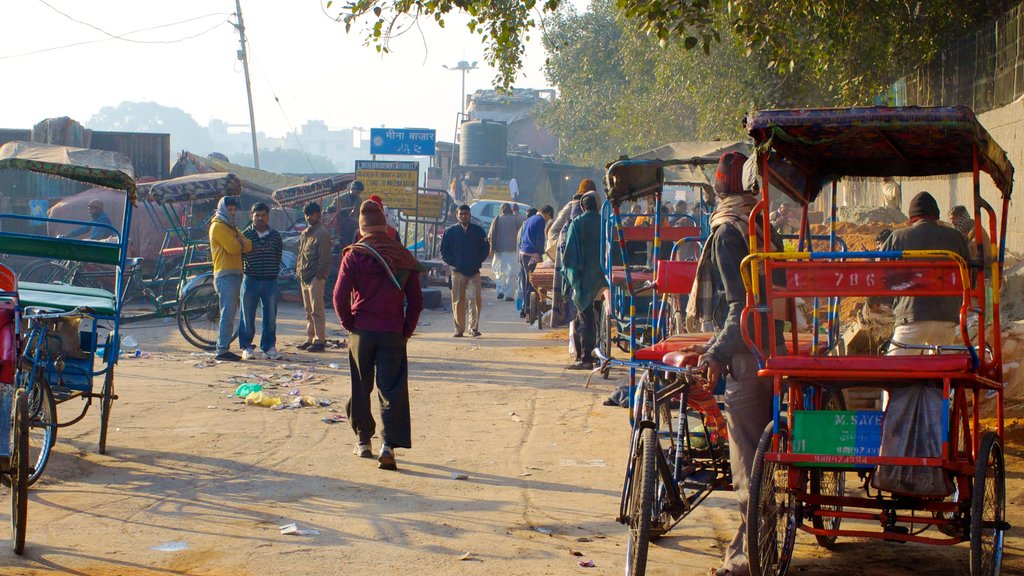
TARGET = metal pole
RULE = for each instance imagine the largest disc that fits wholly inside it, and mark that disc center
(243, 56)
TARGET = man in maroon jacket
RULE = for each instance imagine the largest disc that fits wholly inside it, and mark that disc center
(378, 300)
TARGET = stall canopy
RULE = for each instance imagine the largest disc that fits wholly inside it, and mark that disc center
(826, 144)
(98, 167)
(255, 182)
(312, 191)
(691, 174)
(190, 188)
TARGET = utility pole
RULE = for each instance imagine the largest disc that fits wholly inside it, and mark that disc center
(463, 67)
(242, 55)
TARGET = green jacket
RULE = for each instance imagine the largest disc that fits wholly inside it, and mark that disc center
(581, 263)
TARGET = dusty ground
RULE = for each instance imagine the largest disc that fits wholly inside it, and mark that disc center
(190, 470)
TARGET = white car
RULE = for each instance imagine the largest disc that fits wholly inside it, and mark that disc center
(485, 211)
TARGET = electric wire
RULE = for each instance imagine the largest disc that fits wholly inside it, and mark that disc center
(123, 37)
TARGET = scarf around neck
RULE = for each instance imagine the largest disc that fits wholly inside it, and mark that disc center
(221, 214)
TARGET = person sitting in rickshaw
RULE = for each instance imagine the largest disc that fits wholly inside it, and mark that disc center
(93, 232)
(914, 413)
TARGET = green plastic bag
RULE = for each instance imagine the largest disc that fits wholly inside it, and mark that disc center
(247, 388)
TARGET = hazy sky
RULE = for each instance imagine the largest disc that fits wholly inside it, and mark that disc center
(316, 70)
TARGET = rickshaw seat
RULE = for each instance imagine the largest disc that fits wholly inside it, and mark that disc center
(8, 344)
(639, 277)
(67, 298)
(895, 364)
(676, 343)
(60, 248)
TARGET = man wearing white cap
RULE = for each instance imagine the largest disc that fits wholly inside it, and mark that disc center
(94, 232)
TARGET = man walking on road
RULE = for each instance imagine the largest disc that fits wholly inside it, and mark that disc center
(227, 244)
(313, 267)
(378, 300)
(505, 264)
(464, 248)
(531, 249)
(581, 265)
(259, 285)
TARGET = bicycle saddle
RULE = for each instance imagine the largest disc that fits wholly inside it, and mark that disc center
(134, 262)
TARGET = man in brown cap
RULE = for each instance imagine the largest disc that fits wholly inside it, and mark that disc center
(378, 300)
(98, 216)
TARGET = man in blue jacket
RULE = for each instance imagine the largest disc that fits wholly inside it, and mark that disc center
(531, 248)
(464, 248)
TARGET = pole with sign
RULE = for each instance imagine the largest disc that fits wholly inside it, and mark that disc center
(395, 182)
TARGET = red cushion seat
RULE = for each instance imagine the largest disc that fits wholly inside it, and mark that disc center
(916, 363)
(8, 346)
(671, 344)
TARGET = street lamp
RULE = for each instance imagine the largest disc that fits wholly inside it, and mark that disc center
(463, 67)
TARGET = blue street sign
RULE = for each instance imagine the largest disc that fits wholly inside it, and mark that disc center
(402, 141)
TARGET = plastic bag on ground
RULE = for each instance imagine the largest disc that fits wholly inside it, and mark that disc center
(913, 427)
(262, 399)
(247, 388)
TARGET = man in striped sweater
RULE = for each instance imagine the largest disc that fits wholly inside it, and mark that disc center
(259, 285)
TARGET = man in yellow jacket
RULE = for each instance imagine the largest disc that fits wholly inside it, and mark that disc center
(227, 244)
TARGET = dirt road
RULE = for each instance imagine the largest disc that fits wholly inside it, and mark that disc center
(195, 483)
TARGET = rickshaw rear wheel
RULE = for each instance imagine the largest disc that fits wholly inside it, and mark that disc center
(44, 272)
(106, 403)
(829, 482)
(19, 471)
(42, 423)
(640, 511)
(198, 317)
(988, 508)
(771, 511)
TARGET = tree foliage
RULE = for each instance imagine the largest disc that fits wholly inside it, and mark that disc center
(854, 47)
(622, 93)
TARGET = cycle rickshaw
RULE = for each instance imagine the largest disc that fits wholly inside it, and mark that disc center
(57, 340)
(181, 282)
(807, 452)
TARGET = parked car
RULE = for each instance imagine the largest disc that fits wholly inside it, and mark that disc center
(485, 211)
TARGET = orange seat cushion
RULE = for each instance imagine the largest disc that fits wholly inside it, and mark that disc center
(8, 346)
(928, 363)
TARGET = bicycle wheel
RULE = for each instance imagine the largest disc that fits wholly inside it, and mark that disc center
(45, 272)
(988, 508)
(829, 482)
(199, 317)
(106, 403)
(42, 425)
(643, 485)
(19, 470)
(771, 511)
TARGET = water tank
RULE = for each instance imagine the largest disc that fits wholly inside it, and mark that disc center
(484, 143)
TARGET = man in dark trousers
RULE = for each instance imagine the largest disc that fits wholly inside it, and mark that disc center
(259, 285)
(378, 300)
(531, 248)
(581, 265)
(464, 248)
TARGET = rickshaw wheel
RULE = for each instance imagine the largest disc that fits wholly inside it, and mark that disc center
(640, 511)
(106, 403)
(829, 482)
(42, 423)
(199, 317)
(19, 471)
(44, 272)
(988, 508)
(771, 511)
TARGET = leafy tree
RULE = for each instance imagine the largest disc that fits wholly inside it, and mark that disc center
(288, 161)
(622, 93)
(186, 133)
(854, 48)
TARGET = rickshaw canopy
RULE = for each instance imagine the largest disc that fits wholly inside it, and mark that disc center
(97, 167)
(311, 191)
(631, 180)
(826, 144)
(190, 188)
(690, 173)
